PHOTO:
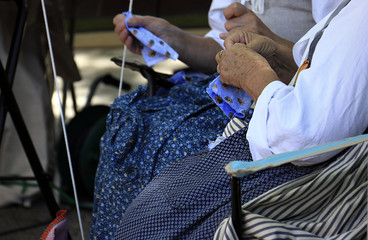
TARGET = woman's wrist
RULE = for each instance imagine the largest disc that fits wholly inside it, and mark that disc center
(282, 41)
(255, 85)
(196, 51)
(285, 66)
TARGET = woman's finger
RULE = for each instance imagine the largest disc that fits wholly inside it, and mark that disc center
(219, 56)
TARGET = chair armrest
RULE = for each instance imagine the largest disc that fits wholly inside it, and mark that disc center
(155, 79)
(240, 168)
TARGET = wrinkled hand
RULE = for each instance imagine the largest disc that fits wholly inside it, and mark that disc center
(240, 17)
(260, 44)
(244, 63)
(157, 26)
(279, 56)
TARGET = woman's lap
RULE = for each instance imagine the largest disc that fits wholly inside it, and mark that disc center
(190, 198)
(143, 136)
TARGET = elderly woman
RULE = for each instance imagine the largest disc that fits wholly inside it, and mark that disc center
(324, 102)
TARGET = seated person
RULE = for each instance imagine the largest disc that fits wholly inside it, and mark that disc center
(144, 135)
(189, 198)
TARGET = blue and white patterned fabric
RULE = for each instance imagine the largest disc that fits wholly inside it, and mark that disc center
(143, 136)
(190, 198)
(235, 102)
(155, 49)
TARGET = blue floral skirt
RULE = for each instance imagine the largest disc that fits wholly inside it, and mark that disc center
(145, 135)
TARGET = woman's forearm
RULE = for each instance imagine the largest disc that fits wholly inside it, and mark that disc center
(196, 51)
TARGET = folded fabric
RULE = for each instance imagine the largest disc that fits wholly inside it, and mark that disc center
(58, 228)
(232, 127)
(212, 144)
(233, 101)
(154, 50)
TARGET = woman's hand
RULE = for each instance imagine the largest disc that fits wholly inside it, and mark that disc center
(196, 51)
(260, 44)
(157, 26)
(242, 67)
(278, 56)
(239, 17)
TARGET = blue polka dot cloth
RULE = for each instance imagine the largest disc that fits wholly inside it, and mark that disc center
(154, 50)
(234, 102)
(191, 197)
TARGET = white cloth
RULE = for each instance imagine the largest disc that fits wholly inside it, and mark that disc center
(289, 19)
(329, 100)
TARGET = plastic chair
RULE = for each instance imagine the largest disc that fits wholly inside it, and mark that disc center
(155, 79)
(328, 204)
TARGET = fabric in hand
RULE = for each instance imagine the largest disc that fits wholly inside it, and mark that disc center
(233, 101)
(154, 50)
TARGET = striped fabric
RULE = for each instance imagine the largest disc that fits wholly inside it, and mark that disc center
(329, 204)
(233, 126)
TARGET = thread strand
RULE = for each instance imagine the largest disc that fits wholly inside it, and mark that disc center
(62, 116)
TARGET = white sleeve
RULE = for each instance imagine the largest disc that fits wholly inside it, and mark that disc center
(289, 19)
(329, 100)
(216, 19)
(321, 8)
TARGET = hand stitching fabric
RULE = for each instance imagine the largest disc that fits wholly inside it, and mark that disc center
(233, 101)
(154, 50)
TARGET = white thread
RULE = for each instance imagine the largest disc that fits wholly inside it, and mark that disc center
(122, 70)
(62, 116)
(124, 57)
(130, 5)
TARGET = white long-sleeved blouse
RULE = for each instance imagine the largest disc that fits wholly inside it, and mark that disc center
(329, 100)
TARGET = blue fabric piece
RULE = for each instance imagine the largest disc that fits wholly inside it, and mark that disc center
(155, 49)
(233, 101)
(178, 78)
(145, 135)
(190, 198)
(181, 77)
